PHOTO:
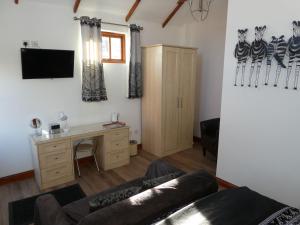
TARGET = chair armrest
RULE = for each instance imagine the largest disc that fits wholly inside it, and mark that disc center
(217, 133)
(48, 212)
(203, 128)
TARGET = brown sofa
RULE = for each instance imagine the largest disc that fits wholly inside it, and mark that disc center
(140, 209)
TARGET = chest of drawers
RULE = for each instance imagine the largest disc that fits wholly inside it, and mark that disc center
(115, 151)
(53, 163)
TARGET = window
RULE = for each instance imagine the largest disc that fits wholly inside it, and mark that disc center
(113, 48)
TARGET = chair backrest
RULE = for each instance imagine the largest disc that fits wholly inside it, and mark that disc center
(210, 127)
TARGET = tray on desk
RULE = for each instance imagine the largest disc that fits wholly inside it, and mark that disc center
(114, 125)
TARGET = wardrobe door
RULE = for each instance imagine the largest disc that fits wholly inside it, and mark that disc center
(187, 92)
(152, 100)
(170, 104)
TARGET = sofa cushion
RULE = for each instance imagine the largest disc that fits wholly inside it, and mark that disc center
(102, 201)
(150, 183)
(79, 209)
(143, 208)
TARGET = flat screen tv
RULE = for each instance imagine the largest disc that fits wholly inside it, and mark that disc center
(46, 63)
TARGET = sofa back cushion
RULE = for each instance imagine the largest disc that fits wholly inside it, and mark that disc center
(79, 209)
(143, 208)
(151, 183)
(102, 201)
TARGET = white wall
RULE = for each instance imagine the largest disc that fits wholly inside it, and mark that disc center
(259, 139)
(20, 100)
(209, 37)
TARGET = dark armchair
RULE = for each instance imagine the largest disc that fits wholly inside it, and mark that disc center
(210, 136)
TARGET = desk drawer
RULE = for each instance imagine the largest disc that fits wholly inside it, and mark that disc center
(56, 172)
(55, 158)
(119, 134)
(120, 155)
(119, 144)
(54, 147)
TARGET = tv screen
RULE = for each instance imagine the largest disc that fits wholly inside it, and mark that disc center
(46, 63)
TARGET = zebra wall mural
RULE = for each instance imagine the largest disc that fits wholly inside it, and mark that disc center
(241, 53)
(276, 50)
(294, 55)
(258, 53)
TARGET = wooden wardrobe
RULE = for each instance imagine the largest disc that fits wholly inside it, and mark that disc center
(168, 102)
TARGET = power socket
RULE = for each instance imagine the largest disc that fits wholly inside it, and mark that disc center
(26, 43)
(35, 44)
(30, 44)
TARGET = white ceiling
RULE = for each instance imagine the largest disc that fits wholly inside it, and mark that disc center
(148, 10)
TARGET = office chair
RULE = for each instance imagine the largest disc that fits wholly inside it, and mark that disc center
(84, 148)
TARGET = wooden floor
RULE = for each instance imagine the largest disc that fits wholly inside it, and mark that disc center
(92, 182)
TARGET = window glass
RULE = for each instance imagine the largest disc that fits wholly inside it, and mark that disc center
(113, 47)
(116, 51)
(105, 48)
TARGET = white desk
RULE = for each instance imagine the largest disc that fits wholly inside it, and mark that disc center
(53, 154)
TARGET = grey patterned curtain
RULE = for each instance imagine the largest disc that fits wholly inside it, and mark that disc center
(135, 66)
(93, 85)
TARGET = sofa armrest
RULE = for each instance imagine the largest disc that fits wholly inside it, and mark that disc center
(145, 207)
(48, 212)
(160, 168)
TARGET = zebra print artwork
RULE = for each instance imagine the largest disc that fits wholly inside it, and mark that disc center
(241, 53)
(258, 53)
(276, 50)
(294, 55)
(280, 52)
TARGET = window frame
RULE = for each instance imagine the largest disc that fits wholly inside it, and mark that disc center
(122, 37)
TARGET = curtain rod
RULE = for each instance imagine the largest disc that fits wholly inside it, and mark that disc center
(115, 24)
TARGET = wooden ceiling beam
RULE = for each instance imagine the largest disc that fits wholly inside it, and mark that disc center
(133, 8)
(17, 1)
(76, 6)
(179, 4)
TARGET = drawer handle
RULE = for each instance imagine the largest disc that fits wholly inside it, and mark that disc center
(57, 172)
(54, 146)
(56, 158)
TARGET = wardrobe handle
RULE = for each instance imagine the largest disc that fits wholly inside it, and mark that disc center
(178, 102)
(181, 103)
